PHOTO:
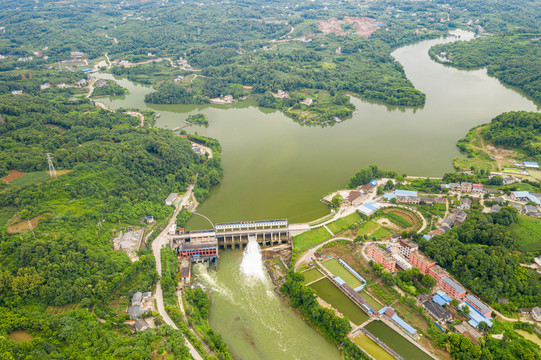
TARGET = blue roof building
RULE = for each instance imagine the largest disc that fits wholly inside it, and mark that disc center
(373, 182)
(441, 298)
(530, 164)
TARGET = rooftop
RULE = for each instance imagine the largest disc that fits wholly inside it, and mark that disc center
(405, 193)
(436, 309)
(478, 303)
(456, 286)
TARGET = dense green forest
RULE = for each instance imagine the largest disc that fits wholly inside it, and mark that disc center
(112, 89)
(517, 130)
(480, 254)
(111, 173)
(269, 48)
(514, 58)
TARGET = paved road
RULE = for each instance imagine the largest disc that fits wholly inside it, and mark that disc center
(161, 241)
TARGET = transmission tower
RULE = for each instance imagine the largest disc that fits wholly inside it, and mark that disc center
(52, 170)
(31, 228)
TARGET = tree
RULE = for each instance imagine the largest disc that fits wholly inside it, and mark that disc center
(337, 201)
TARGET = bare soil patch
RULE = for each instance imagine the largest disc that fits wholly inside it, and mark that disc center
(362, 26)
(13, 174)
(21, 226)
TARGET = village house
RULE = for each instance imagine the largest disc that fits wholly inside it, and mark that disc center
(307, 102)
(477, 188)
(466, 187)
(437, 311)
(100, 83)
(461, 216)
(45, 86)
(536, 313)
(421, 261)
(495, 208)
(525, 196)
(172, 197)
(465, 203)
(81, 83)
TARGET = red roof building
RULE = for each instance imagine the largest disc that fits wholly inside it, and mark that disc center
(421, 261)
(437, 273)
(379, 256)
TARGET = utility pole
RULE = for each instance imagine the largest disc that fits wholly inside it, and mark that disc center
(52, 170)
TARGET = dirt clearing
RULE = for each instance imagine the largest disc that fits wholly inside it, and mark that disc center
(362, 26)
(13, 174)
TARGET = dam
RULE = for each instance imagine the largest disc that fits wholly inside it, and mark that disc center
(203, 245)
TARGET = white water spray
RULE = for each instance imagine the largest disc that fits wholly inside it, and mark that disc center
(252, 263)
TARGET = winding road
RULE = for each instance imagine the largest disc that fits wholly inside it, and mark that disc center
(161, 241)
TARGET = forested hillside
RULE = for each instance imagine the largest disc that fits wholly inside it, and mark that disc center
(112, 172)
(513, 58)
(311, 50)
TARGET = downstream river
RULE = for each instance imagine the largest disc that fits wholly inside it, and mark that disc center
(276, 168)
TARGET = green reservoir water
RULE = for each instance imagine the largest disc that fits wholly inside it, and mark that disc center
(396, 341)
(326, 290)
(253, 320)
(276, 168)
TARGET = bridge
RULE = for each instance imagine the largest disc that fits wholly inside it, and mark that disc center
(204, 244)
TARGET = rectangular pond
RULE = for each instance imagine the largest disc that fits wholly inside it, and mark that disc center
(373, 349)
(311, 275)
(339, 270)
(375, 304)
(396, 341)
(326, 290)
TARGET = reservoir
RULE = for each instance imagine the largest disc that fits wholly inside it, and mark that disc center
(276, 168)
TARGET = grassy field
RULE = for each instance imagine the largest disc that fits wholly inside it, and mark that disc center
(344, 223)
(368, 228)
(55, 310)
(528, 230)
(6, 213)
(310, 238)
(30, 178)
(311, 275)
(381, 233)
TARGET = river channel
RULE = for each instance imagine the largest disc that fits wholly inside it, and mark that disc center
(276, 168)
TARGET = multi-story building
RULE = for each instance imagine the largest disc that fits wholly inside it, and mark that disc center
(421, 261)
(478, 305)
(407, 247)
(437, 273)
(452, 288)
(380, 256)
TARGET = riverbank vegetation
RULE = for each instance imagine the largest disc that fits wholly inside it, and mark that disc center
(508, 139)
(333, 327)
(111, 89)
(514, 58)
